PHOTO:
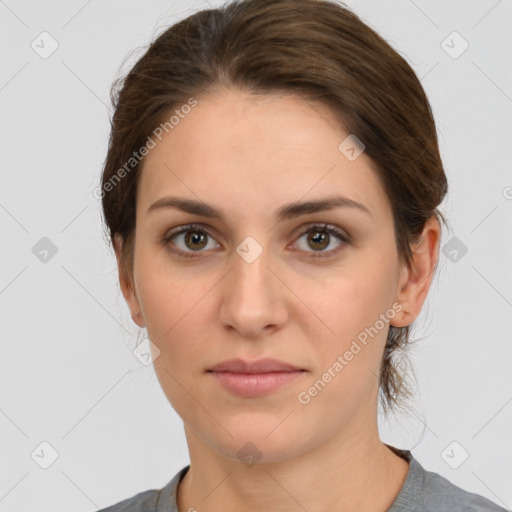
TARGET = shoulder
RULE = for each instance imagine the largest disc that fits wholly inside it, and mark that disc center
(153, 500)
(435, 493)
(142, 502)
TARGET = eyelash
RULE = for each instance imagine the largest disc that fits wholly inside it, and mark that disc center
(325, 228)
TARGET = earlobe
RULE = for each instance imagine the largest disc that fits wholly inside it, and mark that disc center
(126, 285)
(415, 279)
(138, 319)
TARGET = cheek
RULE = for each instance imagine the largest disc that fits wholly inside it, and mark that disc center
(172, 302)
(352, 302)
(175, 322)
(164, 291)
(175, 318)
(356, 323)
(347, 363)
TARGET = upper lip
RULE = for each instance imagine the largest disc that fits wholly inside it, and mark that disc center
(265, 365)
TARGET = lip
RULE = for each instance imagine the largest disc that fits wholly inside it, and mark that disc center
(264, 365)
(254, 378)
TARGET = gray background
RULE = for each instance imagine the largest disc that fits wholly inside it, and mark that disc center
(67, 373)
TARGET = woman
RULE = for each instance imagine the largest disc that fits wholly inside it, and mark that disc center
(271, 191)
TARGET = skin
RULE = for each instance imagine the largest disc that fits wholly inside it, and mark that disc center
(249, 155)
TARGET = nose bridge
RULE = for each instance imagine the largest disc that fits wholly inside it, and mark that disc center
(251, 301)
(250, 272)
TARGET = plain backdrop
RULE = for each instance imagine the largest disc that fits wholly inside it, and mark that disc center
(74, 398)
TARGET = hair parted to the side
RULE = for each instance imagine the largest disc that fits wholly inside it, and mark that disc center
(318, 49)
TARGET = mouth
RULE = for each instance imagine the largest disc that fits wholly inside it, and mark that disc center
(255, 378)
(259, 366)
(255, 384)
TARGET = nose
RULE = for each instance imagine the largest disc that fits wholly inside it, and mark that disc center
(254, 298)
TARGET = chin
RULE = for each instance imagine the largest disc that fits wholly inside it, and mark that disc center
(260, 442)
(251, 453)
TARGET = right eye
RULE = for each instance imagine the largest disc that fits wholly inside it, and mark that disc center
(193, 238)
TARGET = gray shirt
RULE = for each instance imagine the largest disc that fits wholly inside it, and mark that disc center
(423, 491)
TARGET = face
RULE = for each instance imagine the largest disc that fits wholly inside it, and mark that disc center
(255, 284)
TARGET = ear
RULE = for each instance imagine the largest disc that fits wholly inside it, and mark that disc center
(415, 279)
(126, 284)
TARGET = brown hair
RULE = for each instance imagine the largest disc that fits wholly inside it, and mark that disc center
(318, 49)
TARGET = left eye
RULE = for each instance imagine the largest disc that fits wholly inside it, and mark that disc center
(196, 238)
(319, 237)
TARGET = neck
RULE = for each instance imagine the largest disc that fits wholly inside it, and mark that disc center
(353, 471)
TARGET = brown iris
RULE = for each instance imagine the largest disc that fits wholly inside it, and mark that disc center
(195, 237)
(318, 238)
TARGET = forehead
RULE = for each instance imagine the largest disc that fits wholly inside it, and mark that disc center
(234, 149)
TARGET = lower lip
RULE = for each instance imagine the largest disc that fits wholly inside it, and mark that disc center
(256, 384)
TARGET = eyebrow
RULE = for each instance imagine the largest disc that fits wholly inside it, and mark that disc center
(286, 212)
